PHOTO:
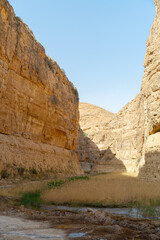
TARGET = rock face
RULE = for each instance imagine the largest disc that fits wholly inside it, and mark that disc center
(150, 165)
(132, 137)
(111, 142)
(38, 104)
(92, 134)
(126, 134)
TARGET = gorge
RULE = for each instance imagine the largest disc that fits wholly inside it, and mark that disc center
(39, 114)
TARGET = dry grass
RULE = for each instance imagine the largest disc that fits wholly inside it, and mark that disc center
(16, 191)
(110, 189)
(107, 189)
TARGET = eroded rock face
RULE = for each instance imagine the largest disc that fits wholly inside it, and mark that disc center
(150, 164)
(126, 135)
(132, 136)
(112, 142)
(93, 135)
(38, 104)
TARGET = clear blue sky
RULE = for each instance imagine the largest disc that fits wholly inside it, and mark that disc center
(99, 43)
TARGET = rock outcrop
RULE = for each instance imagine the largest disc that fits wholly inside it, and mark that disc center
(92, 134)
(38, 104)
(111, 142)
(150, 164)
(133, 135)
(126, 134)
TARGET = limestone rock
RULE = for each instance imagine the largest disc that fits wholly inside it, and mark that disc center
(92, 136)
(132, 136)
(38, 104)
(126, 135)
(113, 142)
(151, 90)
(151, 166)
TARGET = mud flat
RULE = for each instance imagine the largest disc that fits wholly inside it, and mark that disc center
(12, 228)
(19, 223)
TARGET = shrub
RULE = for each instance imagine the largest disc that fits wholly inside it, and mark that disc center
(62, 69)
(50, 63)
(59, 183)
(54, 100)
(84, 134)
(32, 199)
(4, 174)
(55, 184)
(20, 171)
(33, 171)
(75, 92)
(78, 178)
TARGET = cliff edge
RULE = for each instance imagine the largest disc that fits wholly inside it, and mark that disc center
(38, 105)
(132, 137)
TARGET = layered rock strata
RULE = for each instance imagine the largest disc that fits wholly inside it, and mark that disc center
(150, 164)
(38, 104)
(111, 142)
(133, 135)
(92, 134)
(126, 134)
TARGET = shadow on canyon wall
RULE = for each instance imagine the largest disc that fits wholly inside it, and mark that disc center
(95, 160)
(151, 168)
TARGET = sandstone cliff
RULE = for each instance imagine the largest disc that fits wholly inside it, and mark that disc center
(150, 164)
(133, 136)
(38, 104)
(111, 142)
(92, 134)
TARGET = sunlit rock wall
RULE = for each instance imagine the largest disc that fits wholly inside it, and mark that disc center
(38, 104)
(150, 165)
(133, 135)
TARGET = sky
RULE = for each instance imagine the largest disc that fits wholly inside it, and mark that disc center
(100, 44)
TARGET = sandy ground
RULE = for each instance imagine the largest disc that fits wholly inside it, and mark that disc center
(26, 224)
(12, 228)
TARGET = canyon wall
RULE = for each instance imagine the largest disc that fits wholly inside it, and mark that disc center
(132, 137)
(38, 104)
(92, 134)
(114, 141)
(150, 165)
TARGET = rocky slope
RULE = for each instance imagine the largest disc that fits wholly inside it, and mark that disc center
(92, 134)
(132, 137)
(126, 134)
(111, 142)
(38, 104)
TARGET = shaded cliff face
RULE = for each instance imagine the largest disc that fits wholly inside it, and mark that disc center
(93, 120)
(150, 165)
(111, 142)
(133, 135)
(151, 78)
(126, 135)
(92, 134)
(38, 104)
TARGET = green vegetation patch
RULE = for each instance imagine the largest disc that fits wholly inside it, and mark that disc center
(147, 207)
(56, 183)
(33, 171)
(4, 174)
(75, 92)
(21, 171)
(59, 183)
(31, 199)
(101, 173)
(78, 178)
